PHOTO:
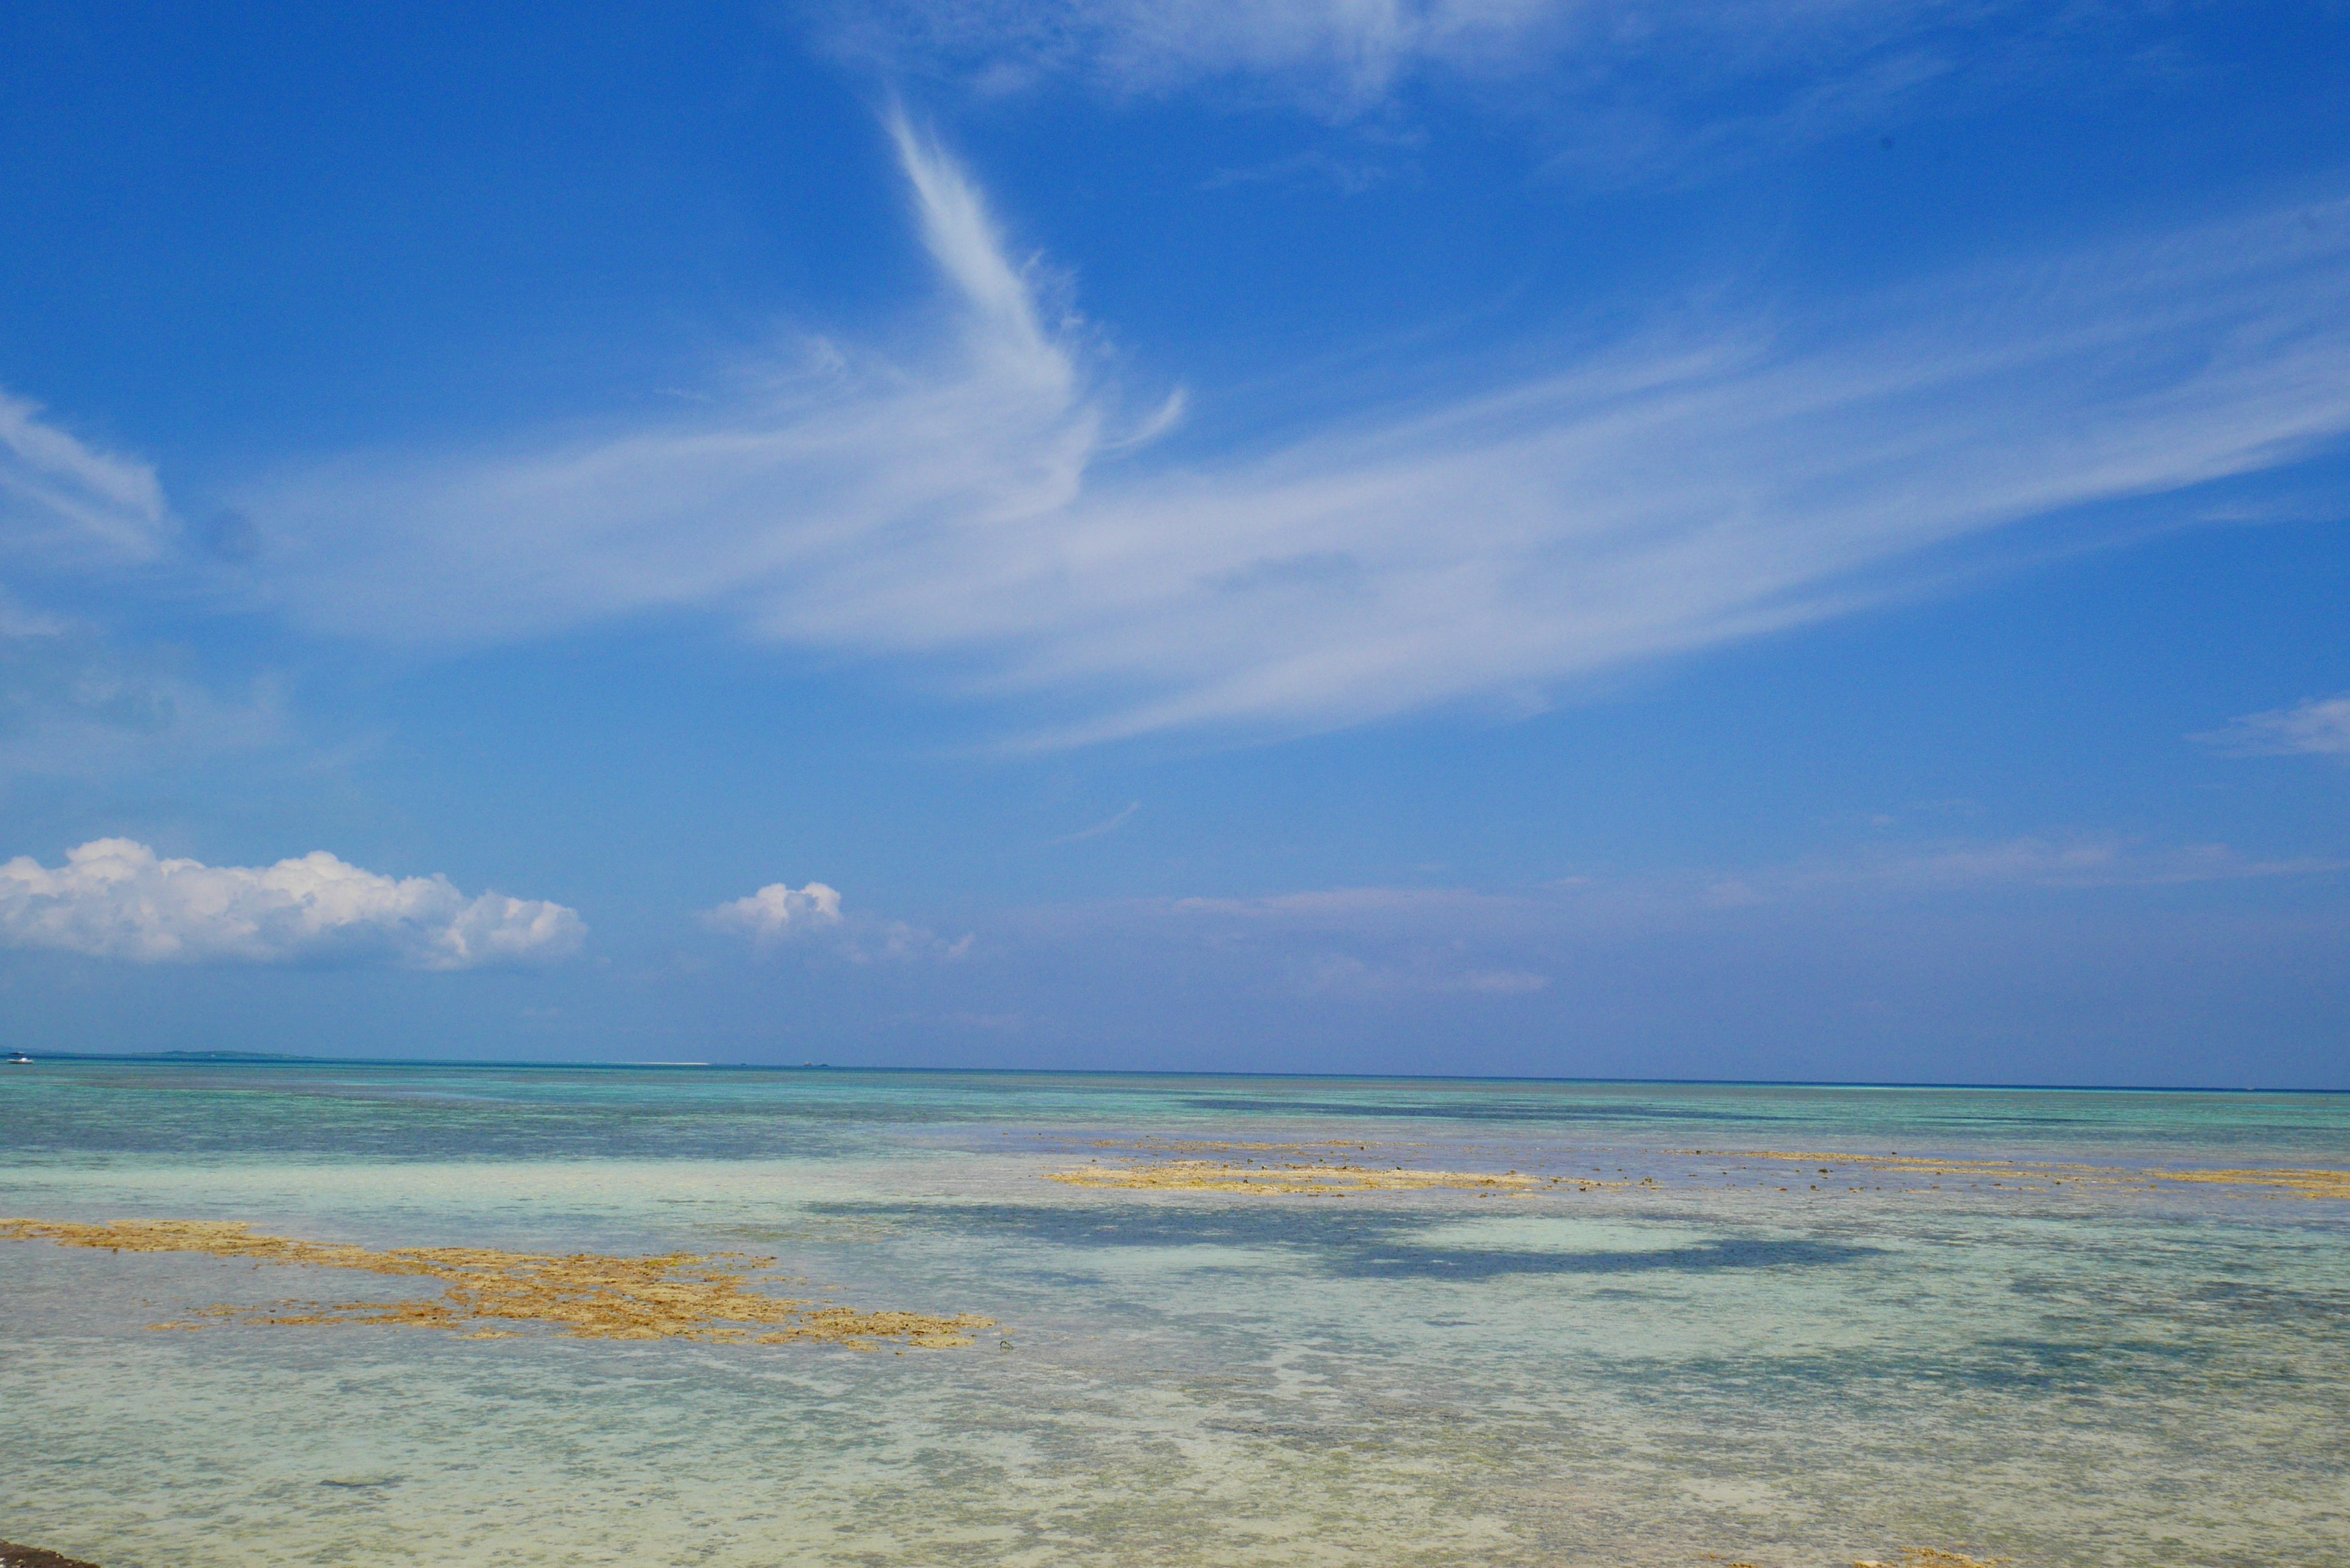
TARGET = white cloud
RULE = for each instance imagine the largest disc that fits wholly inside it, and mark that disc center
(779, 913)
(1634, 86)
(2319, 727)
(65, 504)
(1334, 53)
(982, 508)
(813, 472)
(115, 898)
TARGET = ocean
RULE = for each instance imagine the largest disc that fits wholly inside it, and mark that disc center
(913, 1318)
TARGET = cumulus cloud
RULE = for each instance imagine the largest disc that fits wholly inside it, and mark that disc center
(65, 503)
(984, 508)
(779, 913)
(2319, 727)
(114, 898)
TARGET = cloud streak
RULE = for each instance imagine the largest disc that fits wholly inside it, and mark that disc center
(1372, 943)
(1621, 90)
(1107, 825)
(72, 705)
(67, 505)
(115, 898)
(2026, 865)
(984, 510)
(790, 486)
(2319, 727)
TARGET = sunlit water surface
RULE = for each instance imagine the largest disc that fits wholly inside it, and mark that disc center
(2082, 1374)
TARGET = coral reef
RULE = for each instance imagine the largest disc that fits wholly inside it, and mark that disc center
(15, 1556)
(583, 1295)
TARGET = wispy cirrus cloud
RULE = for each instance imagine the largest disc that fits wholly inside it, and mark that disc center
(983, 512)
(1346, 976)
(1375, 942)
(1923, 961)
(2318, 727)
(117, 899)
(73, 700)
(1105, 827)
(2028, 865)
(803, 478)
(68, 505)
(2025, 863)
(74, 704)
(1345, 55)
(1335, 55)
(1641, 89)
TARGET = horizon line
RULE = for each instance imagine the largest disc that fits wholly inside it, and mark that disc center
(278, 1059)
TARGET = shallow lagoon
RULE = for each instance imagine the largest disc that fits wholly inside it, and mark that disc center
(1661, 1356)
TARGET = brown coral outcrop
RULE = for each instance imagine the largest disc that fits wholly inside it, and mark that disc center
(583, 1295)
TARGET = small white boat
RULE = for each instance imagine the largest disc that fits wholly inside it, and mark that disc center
(18, 1056)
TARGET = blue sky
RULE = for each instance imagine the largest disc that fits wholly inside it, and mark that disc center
(1789, 539)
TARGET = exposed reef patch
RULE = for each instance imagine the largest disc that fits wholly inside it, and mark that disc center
(492, 1295)
(1337, 1169)
(15, 1556)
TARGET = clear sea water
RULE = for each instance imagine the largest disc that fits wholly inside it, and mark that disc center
(1644, 1374)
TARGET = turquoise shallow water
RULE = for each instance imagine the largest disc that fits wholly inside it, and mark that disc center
(1738, 1358)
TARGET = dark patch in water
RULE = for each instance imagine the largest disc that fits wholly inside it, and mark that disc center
(1357, 1245)
(1465, 1263)
(2074, 1365)
(1461, 1110)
